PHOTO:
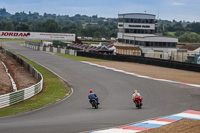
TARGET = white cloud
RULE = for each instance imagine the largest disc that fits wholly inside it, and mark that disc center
(178, 4)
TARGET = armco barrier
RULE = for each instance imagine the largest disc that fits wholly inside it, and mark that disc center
(21, 95)
(143, 60)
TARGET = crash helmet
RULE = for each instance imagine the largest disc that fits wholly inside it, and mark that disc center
(91, 91)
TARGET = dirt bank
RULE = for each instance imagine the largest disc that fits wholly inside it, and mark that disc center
(21, 76)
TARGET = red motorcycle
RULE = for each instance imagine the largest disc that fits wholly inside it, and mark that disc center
(138, 102)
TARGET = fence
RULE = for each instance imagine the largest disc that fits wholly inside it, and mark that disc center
(21, 95)
(144, 60)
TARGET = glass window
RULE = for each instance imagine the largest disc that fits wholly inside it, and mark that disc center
(173, 44)
(121, 20)
(147, 43)
(131, 20)
(131, 42)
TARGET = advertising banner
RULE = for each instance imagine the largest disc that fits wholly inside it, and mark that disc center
(37, 35)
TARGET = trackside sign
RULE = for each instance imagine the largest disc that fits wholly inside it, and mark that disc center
(14, 34)
(37, 35)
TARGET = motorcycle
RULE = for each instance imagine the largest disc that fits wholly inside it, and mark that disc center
(138, 102)
(94, 103)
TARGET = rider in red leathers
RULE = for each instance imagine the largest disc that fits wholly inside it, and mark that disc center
(136, 94)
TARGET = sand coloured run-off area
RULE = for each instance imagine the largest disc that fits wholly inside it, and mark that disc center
(156, 71)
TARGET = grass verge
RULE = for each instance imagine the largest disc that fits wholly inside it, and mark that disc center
(54, 89)
(79, 58)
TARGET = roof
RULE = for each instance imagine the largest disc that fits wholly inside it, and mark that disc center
(150, 38)
(139, 35)
(128, 47)
(136, 14)
(190, 47)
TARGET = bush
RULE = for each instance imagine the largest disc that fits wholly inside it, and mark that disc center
(190, 37)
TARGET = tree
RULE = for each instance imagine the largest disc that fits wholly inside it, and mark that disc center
(179, 33)
(178, 27)
(23, 27)
(194, 27)
(50, 26)
(97, 34)
(190, 37)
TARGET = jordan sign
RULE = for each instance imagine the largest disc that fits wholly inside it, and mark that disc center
(37, 35)
(14, 34)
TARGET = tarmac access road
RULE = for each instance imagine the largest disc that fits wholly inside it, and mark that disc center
(114, 89)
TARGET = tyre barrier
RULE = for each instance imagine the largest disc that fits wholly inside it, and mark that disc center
(21, 95)
(50, 49)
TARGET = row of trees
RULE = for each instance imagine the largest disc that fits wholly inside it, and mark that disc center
(178, 26)
(81, 25)
(184, 31)
(90, 26)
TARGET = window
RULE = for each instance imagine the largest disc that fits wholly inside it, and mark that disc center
(126, 30)
(121, 20)
(120, 25)
(147, 44)
(156, 44)
(173, 44)
(160, 44)
(131, 42)
(143, 21)
(131, 21)
(135, 21)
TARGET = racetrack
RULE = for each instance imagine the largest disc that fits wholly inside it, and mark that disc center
(114, 90)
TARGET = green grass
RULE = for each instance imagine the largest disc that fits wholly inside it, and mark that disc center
(54, 89)
(171, 33)
(79, 58)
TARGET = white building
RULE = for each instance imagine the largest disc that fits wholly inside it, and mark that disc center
(140, 29)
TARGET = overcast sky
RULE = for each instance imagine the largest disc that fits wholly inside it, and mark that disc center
(167, 9)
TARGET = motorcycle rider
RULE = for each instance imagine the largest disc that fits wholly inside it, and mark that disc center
(92, 95)
(136, 94)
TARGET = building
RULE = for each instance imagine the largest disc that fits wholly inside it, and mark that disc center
(193, 54)
(128, 50)
(139, 29)
(193, 49)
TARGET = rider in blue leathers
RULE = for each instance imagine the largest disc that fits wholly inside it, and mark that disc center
(93, 96)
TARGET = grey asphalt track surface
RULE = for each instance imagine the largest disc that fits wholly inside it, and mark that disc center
(114, 89)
